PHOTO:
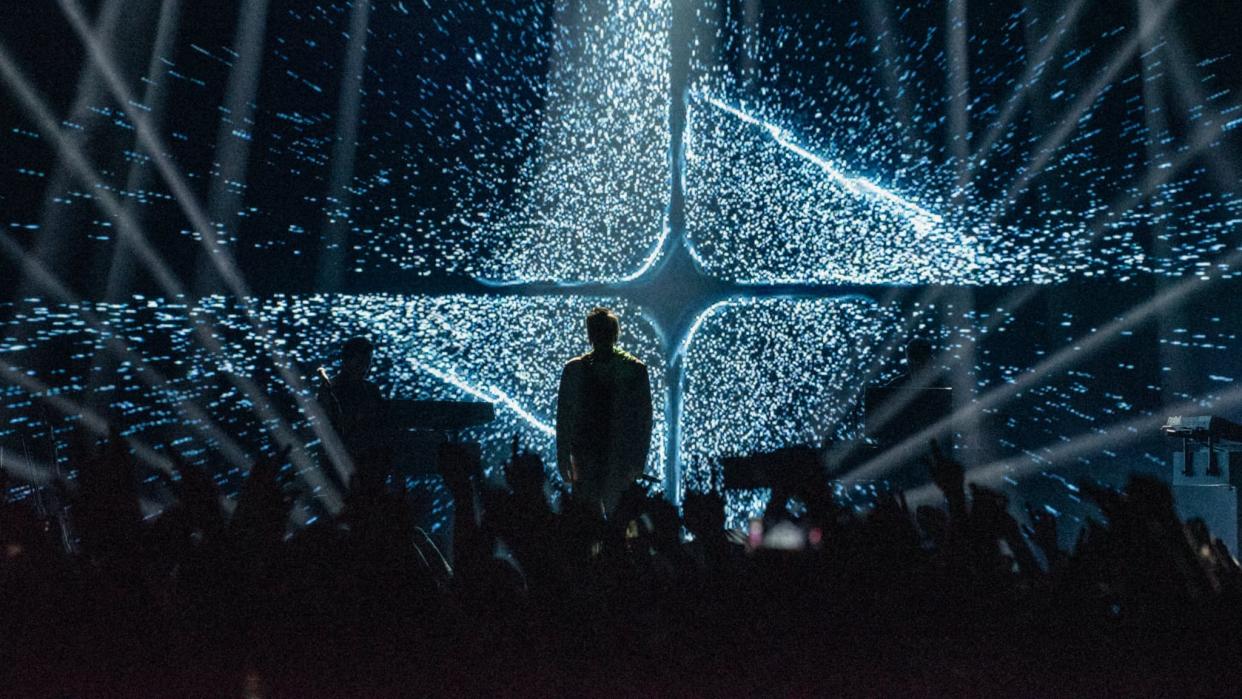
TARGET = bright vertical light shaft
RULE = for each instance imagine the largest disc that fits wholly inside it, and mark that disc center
(333, 251)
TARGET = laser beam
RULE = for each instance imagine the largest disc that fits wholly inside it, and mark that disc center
(486, 393)
(923, 219)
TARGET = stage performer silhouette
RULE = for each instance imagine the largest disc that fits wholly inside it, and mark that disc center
(354, 404)
(603, 416)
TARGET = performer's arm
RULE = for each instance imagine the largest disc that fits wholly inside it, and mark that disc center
(566, 405)
(641, 424)
(644, 401)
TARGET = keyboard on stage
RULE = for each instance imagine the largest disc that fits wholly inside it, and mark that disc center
(1205, 427)
(417, 428)
(438, 415)
(1207, 473)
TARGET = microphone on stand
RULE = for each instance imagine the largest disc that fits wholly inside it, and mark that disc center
(327, 383)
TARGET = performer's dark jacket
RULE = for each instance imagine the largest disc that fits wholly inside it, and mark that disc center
(356, 410)
(603, 424)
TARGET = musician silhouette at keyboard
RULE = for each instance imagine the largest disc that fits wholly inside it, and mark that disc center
(353, 404)
(919, 372)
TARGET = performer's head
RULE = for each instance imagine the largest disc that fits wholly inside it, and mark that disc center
(356, 358)
(918, 354)
(602, 328)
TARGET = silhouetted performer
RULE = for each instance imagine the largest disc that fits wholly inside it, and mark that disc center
(903, 407)
(353, 403)
(919, 354)
(603, 416)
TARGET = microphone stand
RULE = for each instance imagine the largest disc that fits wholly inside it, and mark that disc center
(327, 382)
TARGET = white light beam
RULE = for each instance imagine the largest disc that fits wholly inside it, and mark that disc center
(920, 216)
(488, 394)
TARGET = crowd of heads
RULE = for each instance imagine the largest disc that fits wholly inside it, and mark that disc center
(540, 594)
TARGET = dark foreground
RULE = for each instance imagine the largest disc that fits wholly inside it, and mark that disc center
(957, 599)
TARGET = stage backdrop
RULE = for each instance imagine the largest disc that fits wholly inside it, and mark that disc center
(199, 201)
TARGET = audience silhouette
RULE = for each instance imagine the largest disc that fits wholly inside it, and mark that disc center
(604, 588)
